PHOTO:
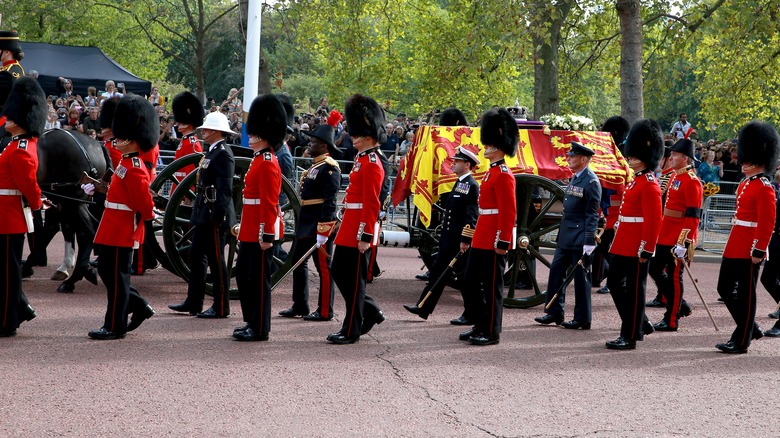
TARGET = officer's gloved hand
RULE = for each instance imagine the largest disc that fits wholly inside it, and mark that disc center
(588, 249)
(88, 188)
(679, 251)
(382, 215)
(321, 240)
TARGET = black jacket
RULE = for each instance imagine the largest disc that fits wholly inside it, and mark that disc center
(214, 200)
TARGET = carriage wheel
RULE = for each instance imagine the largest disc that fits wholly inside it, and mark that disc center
(177, 230)
(537, 220)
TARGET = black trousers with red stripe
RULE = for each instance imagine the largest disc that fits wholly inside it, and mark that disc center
(208, 249)
(253, 277)
(740, 275)
(430, 295)
(599, 268)
(11, 247)
(667, 272)
(770, 276)
(350, 269)
(301, 276)
(123, 299)
(627, 284)
(485, 289)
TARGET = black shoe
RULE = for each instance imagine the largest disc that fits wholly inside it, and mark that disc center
(338, 338)
(484, 339)
(317, 316)
(722, 346)
(139, 317)
(93, 263)
(184, 307)
(104, 335)
(66, 288)
(757, 333)
(602, 290)
(731, 348)
(464, 336)
(27, 271)
(655, 303)
(423, 277)
(663, 326)
(249, 335)
(647, 328)
(685, 311)
(241, 328)
(574, 325)
(368, 324)
(621, 344)
(461, 320)
(774, 332)
(417, 311)
(28, 313)
(775, 314)
(91, 276)
(7, 333)
(210, 313)
(292, 313)
(548, 318)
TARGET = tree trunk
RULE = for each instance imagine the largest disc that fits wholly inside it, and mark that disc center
(547, 40)
(632, 106)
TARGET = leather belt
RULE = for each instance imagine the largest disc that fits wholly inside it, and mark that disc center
(312, 201)
(673, 213)
(631, 219)
(488, 211)
(251, 201)
(736, 221)
(353, 205)
(117, 206)
(10, 192)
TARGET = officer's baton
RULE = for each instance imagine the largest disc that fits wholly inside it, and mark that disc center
(567, 280)
(696, 286)
(295, 266)
(441, 278)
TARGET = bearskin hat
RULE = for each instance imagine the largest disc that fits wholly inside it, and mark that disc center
(618, 128)
(9, 40)
(685, 147)
(289, 109)
(327, 131)
(26, 106)
(645, 142)
(499, 129)
(135, 119)
(452, 117)
(188, 109)
(365, 118)
(758, 144)
(268, 119)
(107, 111)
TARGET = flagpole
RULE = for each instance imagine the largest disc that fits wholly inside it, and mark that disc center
(251, 61)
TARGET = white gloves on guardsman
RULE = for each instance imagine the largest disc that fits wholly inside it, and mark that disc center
(679, 251)
(88, 188)
(321, 240)
(588, 249)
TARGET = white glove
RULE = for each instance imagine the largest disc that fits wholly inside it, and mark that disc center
(382, 215)
(321, 240)
(679, 251)
(88, 188)
(588, 249)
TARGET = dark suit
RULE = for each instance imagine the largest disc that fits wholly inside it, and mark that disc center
(578, 228)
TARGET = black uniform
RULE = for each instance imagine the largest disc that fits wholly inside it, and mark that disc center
(8, 74)
(770, 277)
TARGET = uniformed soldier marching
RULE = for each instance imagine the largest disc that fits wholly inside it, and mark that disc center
(24, 116)
(261, 223)
(188, 113)
(576, 237)
(664, 178)
(639, 222)
(359, 227)
(461, 211)
(754, 220)
(212, 216)
(494, 233)
(770, 276)
(128, 205)
(679, 229)
(317, 217)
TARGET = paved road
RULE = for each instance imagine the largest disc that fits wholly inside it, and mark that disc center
(181, 376)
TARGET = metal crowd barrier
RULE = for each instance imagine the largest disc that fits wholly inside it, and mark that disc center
(715, 226)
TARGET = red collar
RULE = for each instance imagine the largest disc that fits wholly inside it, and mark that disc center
(9, 62)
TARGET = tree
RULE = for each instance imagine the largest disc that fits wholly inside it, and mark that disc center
(546, 30)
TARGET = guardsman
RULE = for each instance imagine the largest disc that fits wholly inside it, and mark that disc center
(319, 187)
(10, 70)
(770, 277)
(261, 223)
(664, 179)
(639, 222)
(494, 233)
(213, 214)
(753, 223)
(128, 205)
(460, 216)
(679, 229)
(576, 238)
(24, 116)
(188, 113)
(359, 227)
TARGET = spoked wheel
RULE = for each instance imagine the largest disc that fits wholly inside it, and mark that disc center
(539, 211)
(177, 229)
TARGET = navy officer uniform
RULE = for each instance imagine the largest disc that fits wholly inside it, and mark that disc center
(578, 230)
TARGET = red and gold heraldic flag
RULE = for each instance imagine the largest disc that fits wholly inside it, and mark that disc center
(425, 170)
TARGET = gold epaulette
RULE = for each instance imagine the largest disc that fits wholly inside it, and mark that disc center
(331, 161)
(325, 227)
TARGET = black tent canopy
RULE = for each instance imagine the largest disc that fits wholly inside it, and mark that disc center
(85, 66)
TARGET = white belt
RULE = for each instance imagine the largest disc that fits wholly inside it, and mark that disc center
(736, 221)
(488, 211)
(353, 205)
(251, 201)
(179, 173)
(117, 206)
(10, 192)
(629, 219)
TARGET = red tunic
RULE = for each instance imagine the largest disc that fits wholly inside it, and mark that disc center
(684, 195)
(113, 152)
(498, 209)
(361, 203)
(127, 195)
(262, 186)
(754, 219)
(18, 164)
(189, 145)
(641, 202)
(150, 159)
